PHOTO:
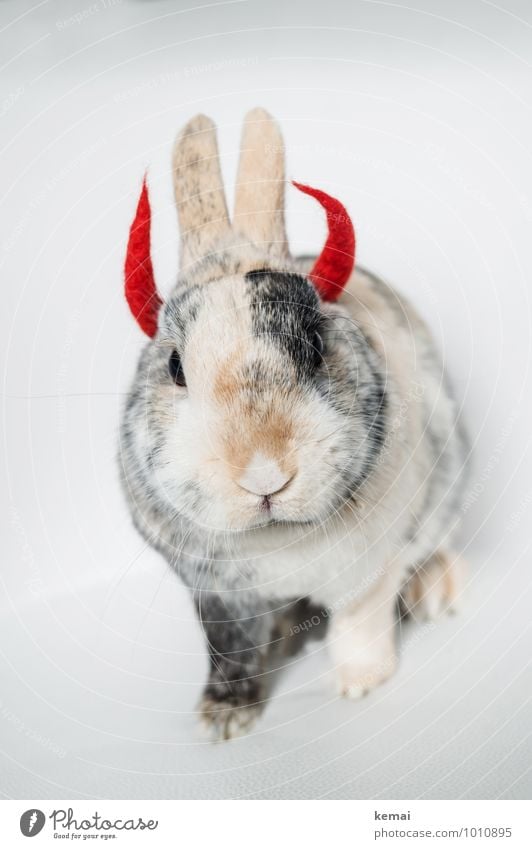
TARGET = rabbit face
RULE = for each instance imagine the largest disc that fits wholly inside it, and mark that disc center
(256, 402)
(247, 404)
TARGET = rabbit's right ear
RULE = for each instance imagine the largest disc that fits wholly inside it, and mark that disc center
(199, 191)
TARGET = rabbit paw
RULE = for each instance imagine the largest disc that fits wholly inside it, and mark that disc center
(435, 587)
(364, 653)
(362, 642)
(224, 720)
(358, 678)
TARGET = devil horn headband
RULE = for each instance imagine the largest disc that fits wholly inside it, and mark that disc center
(141, 292)
(333, 267)
(329, 274)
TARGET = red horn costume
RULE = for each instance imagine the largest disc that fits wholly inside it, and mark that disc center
(330, 272)
(332, 269)
(141, 292)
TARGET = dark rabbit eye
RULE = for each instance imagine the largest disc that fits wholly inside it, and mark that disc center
(176, 369)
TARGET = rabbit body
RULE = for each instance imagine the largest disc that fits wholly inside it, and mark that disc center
(314, 453)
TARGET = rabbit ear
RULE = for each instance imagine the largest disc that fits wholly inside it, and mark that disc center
(199, 190)
(260, 185)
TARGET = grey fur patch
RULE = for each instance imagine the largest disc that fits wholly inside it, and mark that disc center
(285, 308)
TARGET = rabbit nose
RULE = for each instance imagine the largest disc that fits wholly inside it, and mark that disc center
(263, 476)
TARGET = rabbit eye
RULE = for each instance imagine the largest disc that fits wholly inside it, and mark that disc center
(176, 369)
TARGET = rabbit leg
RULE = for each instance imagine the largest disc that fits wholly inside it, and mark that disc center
(435, 587)
(362, 641)
(234, 694)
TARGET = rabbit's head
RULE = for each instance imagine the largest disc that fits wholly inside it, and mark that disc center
(254, 399)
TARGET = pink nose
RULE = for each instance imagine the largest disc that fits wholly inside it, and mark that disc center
(263, 476)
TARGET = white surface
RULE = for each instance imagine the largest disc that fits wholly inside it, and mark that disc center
(420, 121)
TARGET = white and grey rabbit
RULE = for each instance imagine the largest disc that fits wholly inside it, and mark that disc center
(281, 448)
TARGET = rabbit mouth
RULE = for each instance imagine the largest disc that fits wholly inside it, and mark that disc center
(267, 512)
(270, 513)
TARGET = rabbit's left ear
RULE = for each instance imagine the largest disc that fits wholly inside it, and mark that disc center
(260, 184)
(141, 292)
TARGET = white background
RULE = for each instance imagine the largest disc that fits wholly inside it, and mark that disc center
(418, 117)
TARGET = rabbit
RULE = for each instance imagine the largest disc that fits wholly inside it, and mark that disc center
(289, 437)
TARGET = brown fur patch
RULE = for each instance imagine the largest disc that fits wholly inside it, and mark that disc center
(226, 385)
(248, 427)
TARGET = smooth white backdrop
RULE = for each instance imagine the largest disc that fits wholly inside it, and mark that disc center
(418, 116)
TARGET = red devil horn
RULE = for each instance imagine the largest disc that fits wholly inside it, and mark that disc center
(141, 293)
(332, 269)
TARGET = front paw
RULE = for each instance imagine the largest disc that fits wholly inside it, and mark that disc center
(227, 718)
(356, 680)
(362, 646)
(362, 668)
